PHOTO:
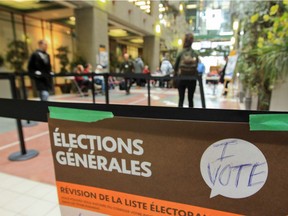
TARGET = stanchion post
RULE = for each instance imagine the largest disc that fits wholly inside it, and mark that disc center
(106, 88)
(149, 92)
(93, 88)
(24, 93)
(201, 91)
(23, 154)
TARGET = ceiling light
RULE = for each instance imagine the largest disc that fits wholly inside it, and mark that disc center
(137, 40)
(117, 33)
(181, 7)
(139, 3)
(144, 7)
(158, 28)
(72, 18)
(191, 6)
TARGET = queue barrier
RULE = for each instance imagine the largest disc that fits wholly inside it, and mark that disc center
(37, 111)
(146, 77)
(23, 154)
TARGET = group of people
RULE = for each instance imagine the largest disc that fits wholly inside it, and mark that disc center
(186, 66)
(85, 82)
(40, 70)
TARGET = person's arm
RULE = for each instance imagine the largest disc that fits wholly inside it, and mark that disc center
(31, 64)
(50, 67)
(170, 70)
(121, 68)
(132, 67)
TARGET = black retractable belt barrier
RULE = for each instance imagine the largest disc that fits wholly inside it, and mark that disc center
(147, 77)
(26, 123)
(37, 111)
(23, 154)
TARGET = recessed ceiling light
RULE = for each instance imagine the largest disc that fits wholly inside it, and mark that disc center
(117, 33)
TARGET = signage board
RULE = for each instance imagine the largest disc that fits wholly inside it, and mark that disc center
(133, 166)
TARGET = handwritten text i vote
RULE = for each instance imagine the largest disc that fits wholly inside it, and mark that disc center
(228, 173)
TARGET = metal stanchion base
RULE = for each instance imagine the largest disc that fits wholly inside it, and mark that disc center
(18, 156)
(26, 123)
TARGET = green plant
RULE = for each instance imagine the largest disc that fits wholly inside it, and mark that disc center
(17, 55)
(78, 60)
(62, 55)
(264, 57)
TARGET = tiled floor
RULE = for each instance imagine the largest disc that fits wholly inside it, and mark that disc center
(27, 187)
(25, 197)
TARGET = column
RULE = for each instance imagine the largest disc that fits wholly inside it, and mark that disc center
(91, 33)
(151, 51)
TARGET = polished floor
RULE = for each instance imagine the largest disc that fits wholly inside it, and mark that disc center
(27, 187)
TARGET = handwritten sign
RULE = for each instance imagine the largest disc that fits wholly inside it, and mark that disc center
(234, 168)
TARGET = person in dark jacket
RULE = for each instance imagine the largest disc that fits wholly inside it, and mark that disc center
(127, 67)
(40, 70)
(183, 84)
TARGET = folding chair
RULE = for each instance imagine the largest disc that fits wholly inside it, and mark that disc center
(76, 86)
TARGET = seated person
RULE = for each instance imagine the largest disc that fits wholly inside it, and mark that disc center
(157, 72)
(83, 82)
(99, 80)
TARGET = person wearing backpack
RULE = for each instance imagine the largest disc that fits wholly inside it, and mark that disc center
(186, 67)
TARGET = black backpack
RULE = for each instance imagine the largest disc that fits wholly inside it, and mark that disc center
(188, 63)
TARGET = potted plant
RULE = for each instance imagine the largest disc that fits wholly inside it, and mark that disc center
(273, 53)
(263, 56)
(62, 55)
(77, 60)
(17, 55)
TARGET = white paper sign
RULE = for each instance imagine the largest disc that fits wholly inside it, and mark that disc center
(234, 168)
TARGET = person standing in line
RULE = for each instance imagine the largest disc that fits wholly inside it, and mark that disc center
(186, 66)
(127, 67)
(138, 66)
(201, 68)
(40, 70)
(166, 68)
